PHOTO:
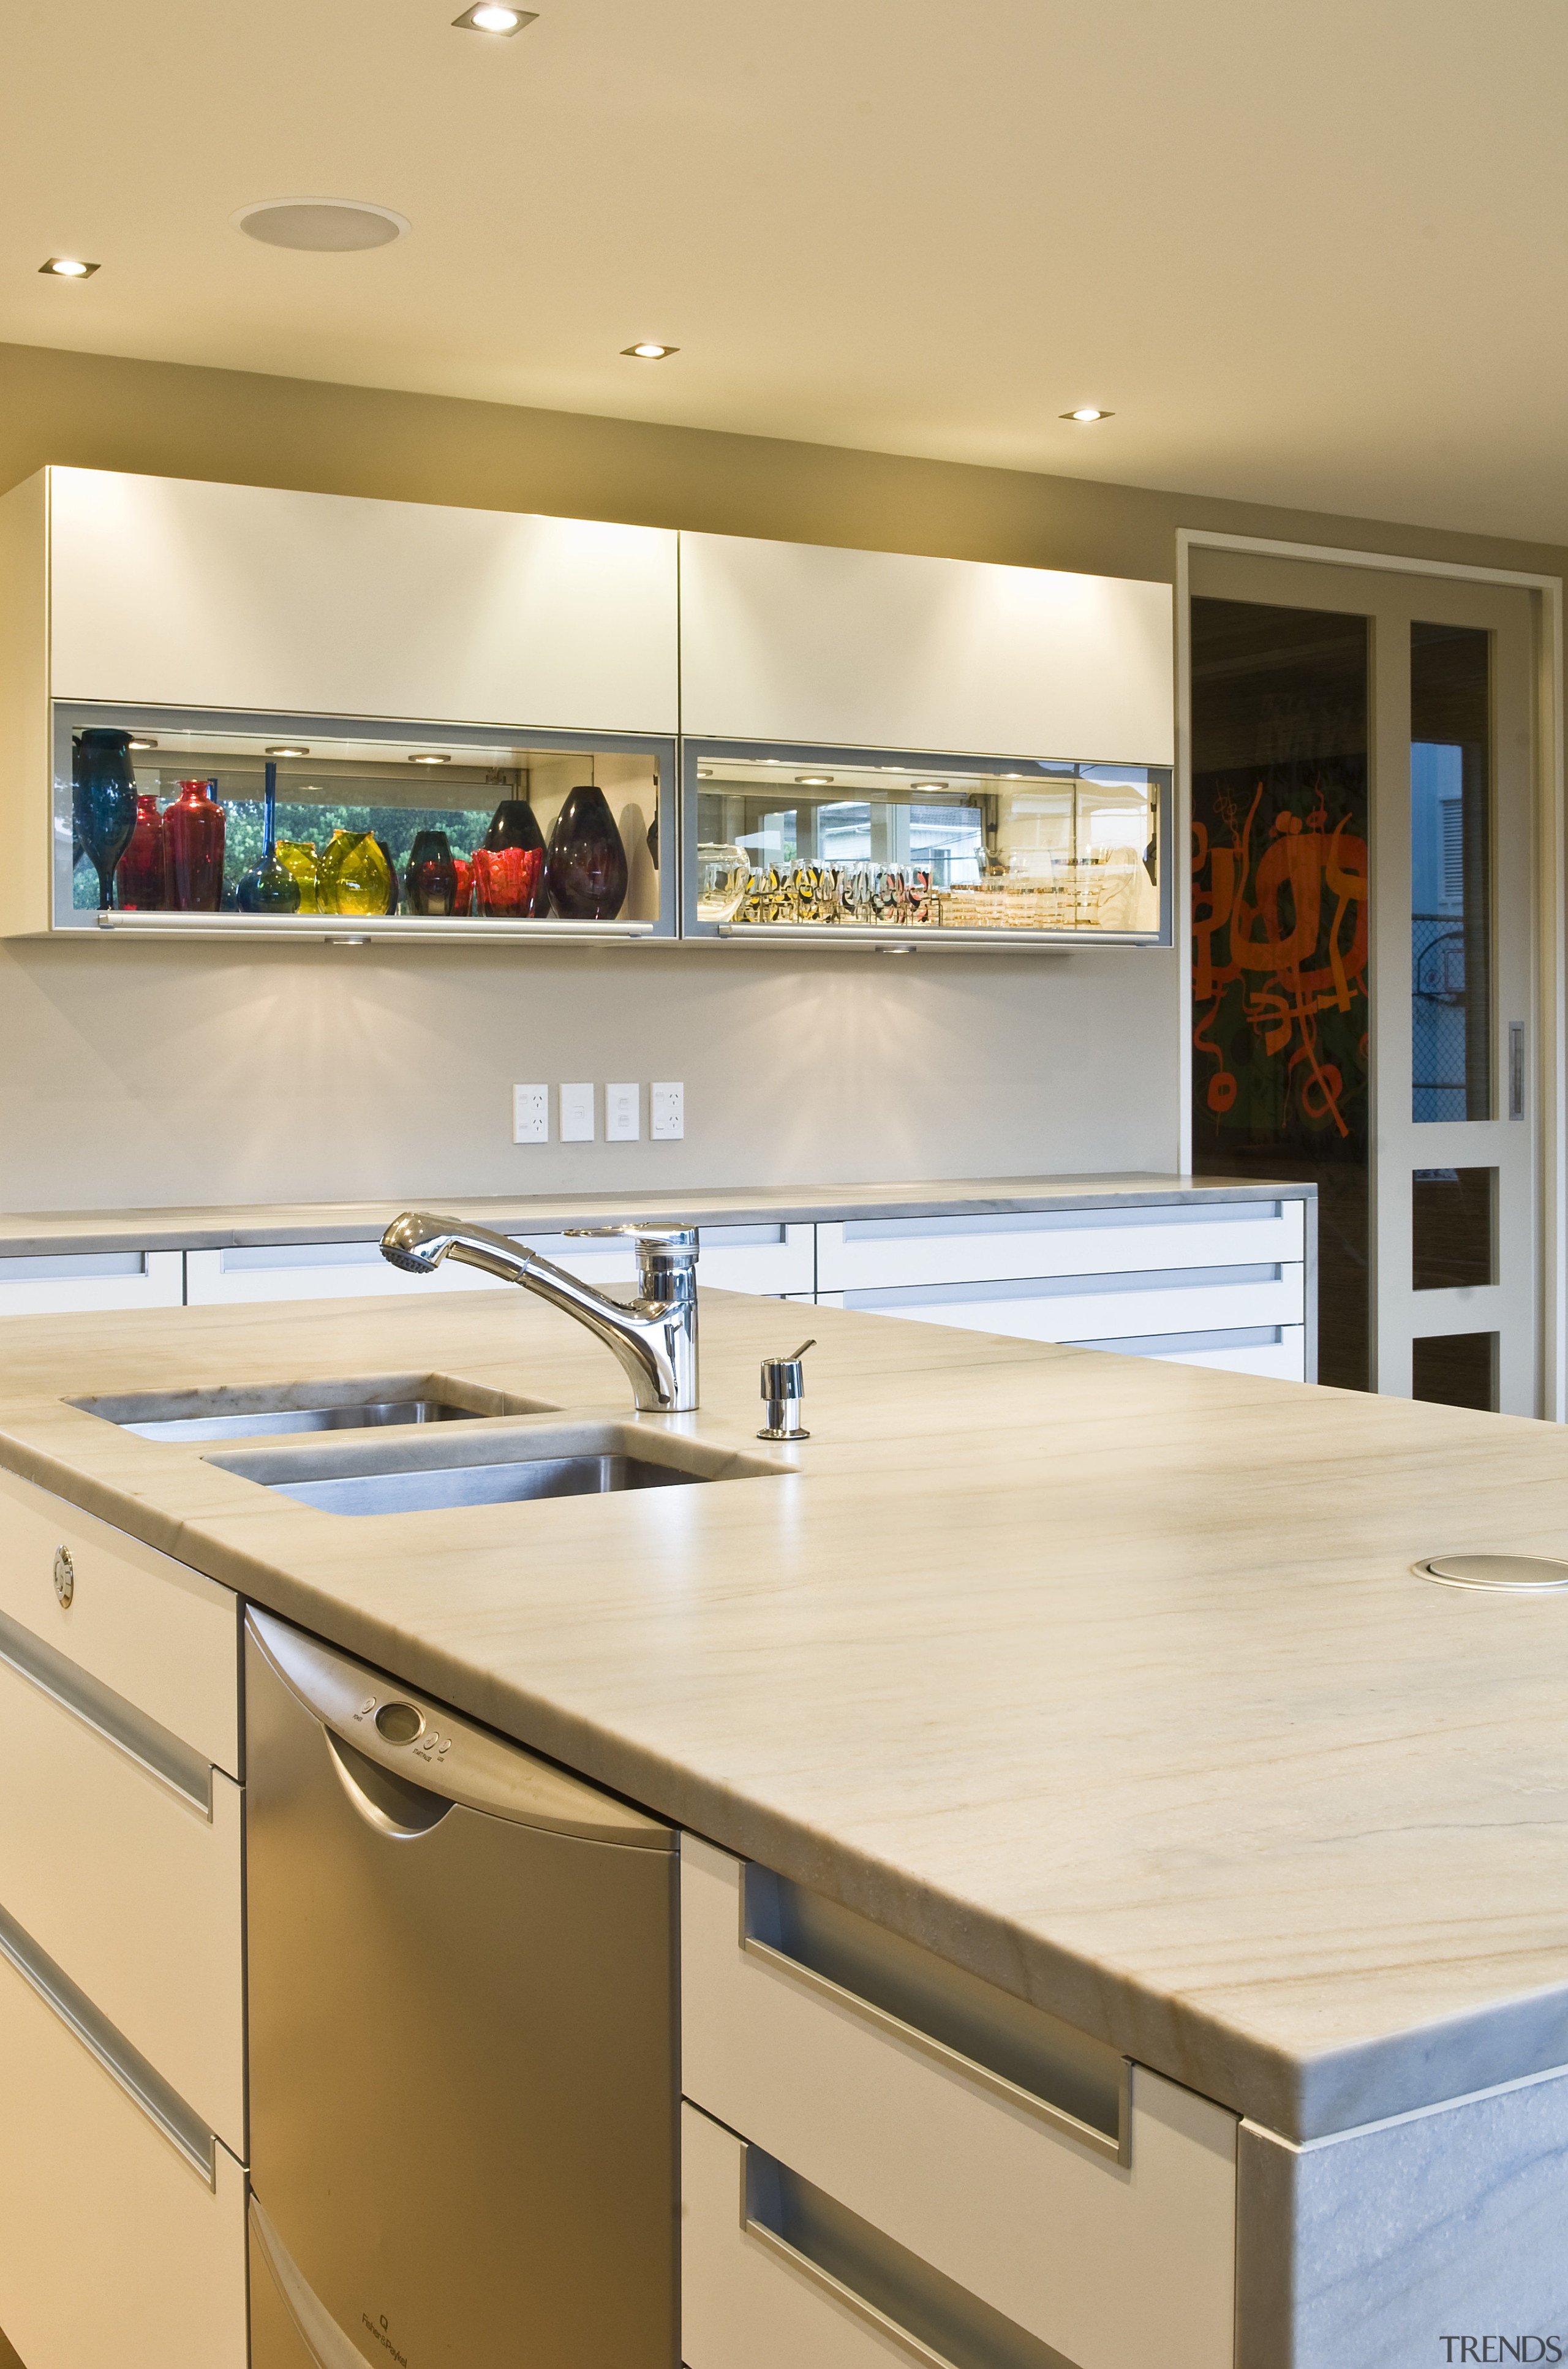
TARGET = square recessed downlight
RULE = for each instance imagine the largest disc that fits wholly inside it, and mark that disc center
(67, 267)
(650, 350)
(491, 17)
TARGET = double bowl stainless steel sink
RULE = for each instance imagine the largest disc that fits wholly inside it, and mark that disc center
(510, 1451)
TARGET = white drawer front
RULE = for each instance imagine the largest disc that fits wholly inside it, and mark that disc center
(869, 1255)
(1283, 1359)
(84, 1283)
(1116, 1308)
(112, 2248)
(742, 2307)
(314, 1271)
(132, 1891)
(161, 1635)
(770, 1259)
(1115, 2265)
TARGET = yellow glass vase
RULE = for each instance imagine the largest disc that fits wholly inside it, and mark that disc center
(354, 875)
(297, 857)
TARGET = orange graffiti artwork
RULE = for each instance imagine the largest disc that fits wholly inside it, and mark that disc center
(1241, 932)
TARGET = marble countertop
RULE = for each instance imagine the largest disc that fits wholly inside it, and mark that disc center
(1109, 1679)
(62, 1233)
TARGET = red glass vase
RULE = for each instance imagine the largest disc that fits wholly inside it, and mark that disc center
(193, 850)
(139, 876)
(509, 882)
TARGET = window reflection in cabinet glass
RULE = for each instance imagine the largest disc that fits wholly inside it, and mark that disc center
(814, 839)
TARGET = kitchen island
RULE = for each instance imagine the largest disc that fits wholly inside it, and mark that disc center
(1107, 1681)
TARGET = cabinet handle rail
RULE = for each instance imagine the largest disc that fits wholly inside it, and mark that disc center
(168, 2111)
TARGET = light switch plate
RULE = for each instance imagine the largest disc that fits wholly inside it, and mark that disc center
(623, 1114)
(576, 1114)
(531, 1114)
(667, 1112)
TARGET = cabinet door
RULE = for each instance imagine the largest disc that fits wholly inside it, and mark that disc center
(80, 1282)
(796, 642)
(168, 592)
(113, 2247)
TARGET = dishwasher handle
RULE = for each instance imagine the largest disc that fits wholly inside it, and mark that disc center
(390, 1802)
(430, 1750)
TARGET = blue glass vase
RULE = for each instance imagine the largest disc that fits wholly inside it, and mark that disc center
(103, 802)
(269, 887)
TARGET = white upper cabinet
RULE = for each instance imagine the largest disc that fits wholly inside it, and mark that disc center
(798, 642)
(168, 592)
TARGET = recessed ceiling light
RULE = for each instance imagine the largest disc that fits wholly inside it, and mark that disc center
(288, 751)
(429, 758)
(916, 786)
(321, 225)
(815, 780)
(1087, 414)
(490, 17)
(650, 352)
(68, 266)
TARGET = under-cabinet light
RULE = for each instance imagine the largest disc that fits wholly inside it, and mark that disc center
(287, 752)
(815, 780)
(490, 17)
(429, 758)
(145, 741)
(648, 351)
(67, 267)
(917, 787)
(1086, 414)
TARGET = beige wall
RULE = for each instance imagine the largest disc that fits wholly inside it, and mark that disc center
(139, 1075)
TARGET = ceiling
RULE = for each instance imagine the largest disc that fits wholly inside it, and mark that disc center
(1310, 253)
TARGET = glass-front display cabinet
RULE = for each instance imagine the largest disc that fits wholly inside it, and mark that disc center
(870, 846)
(168, 822)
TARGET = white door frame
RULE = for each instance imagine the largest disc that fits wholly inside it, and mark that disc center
(1549, 856)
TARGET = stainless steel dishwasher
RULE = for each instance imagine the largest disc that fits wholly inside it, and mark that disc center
(462, 2084)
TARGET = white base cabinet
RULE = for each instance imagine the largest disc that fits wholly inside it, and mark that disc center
(1111, 2257)
(122, 2126)
(113, 2248)
(1229, 1283)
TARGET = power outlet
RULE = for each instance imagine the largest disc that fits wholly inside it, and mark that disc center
(623, 1114)
(531, 1114)
(576, 1114)
(667, 1112)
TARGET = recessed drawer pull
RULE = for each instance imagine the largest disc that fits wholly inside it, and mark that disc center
(163, 1756)
(1113, 2148)
(937, 2323)
(169, 2113)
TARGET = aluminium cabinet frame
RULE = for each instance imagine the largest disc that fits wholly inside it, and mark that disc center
(928, 936)
(416, 928)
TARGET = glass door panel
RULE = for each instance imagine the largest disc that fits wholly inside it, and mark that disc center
(1279, 706)
(1310, 683)
(976, 849)
(1450, 871)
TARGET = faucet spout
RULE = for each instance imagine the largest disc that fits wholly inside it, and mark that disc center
(654, 1336)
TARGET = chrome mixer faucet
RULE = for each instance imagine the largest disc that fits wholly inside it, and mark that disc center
(655, 1335)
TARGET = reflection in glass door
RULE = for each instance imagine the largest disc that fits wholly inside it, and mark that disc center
(1363, 973)
(1279, 820)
